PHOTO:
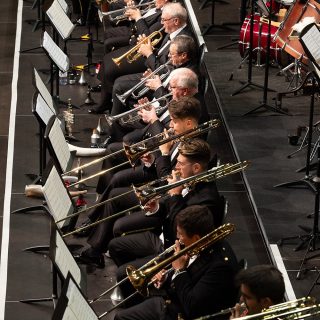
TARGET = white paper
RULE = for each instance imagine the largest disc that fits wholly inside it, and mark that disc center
(65, 261)
(57, 197)
(43, 110)
(41, 87)
(59, 145)
(60, 20)
(312, 41)
(63, 5)
(55, 53)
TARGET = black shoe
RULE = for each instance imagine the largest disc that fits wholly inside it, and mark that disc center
(85, 232)
(97, 110)
(96, 88)
(86, 258)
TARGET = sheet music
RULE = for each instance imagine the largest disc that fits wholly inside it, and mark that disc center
(41, 87)
(63, 5)
(57, 197)
(59, 145)
(65, 261)
(55, 53)
(78, 307)
(312, 41)
(60, 20)
(43, 110)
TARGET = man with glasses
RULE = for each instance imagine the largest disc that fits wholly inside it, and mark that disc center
(150, 56)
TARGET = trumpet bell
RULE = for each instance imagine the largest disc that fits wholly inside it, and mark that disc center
(138, 279)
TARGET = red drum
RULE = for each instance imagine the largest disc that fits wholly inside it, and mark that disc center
(260, 39)
(285, 37)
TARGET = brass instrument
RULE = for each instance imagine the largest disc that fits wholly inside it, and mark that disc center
(291, 310)
(124, 17)
(127, 117)
(151, 262)
(123, 97)
(150, 3)
(135, 151)
(133, 54)
(69, 117)
(146, 193)
(140, 278)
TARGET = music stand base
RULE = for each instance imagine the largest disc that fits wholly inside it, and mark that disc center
(29, 209)
(267, 107)
(303, 183)
(246, 85)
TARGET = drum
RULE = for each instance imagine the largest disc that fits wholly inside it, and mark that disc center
(285, 38)
(260, 34)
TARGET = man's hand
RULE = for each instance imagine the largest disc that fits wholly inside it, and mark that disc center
(151, 207)
(133, 14)
(153, 83)
(182, 262)
(147, 159)
(175, 177)
(145, 48)
(159, 278)
(239, 310)
(165, 148)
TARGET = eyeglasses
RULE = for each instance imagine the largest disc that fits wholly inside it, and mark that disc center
(164, 20)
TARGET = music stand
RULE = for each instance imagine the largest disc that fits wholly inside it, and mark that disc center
(63, 263)
(264, 104)
(72, 303)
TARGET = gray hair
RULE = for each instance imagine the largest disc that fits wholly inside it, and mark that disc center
(185, 78)
(186, 44)
(176, 10)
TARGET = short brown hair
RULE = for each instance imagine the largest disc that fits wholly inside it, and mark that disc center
(186, 107)
(196, 150)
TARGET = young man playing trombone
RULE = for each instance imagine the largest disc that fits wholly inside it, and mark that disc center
(196, 285)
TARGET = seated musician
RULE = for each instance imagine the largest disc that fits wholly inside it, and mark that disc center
(261, 286)
(198, 285)
(119, 36)
(173, 18)
(193, 158)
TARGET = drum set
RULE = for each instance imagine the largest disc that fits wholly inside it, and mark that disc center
(285, 43)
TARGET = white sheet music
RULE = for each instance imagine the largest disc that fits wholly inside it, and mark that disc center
(60, 20)
(59, 145)
(78, 307)
(41, 87)
(63, 5)
(43, 110)
(57, 197)
(65, 261)
(55, 53)
(312, 41)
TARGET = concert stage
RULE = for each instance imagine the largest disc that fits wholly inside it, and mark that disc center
(261, 213)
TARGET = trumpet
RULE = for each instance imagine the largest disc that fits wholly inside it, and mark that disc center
(150, 3)
(133, 54)
(123, 97)
(135, 151)
(146, 193)
(127, 117)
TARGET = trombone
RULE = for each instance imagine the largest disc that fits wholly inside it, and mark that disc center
(133, 54)
(123, 97)
(135, 151)
(122, 10)
(141, 278)
(147, 192)
(127, 117)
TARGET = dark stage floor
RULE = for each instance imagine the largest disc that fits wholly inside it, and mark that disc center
(261, 213)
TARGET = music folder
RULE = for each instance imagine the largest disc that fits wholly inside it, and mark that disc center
(59, 19)
(59, 58)
(72, 305)
(310, 41)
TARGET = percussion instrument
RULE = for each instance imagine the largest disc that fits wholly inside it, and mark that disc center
(260, 38)
(286, 38)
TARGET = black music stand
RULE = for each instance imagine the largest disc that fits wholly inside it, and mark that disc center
(62, 263)
(264, 104)
(249, 82)
(72, 301)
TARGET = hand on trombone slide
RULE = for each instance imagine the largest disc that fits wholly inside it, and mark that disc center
(166, 147)
(175, 176)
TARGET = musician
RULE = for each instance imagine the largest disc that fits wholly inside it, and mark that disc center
(198, 285)
(193, 158)
(120, 36)
(261, 286)
(173, 19)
